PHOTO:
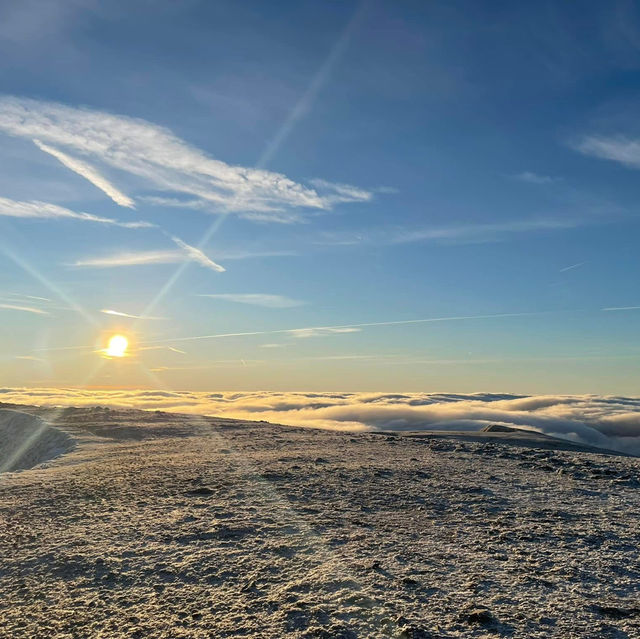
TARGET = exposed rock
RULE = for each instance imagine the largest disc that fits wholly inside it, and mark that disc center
(618, 611)
(202, 491)
(415, 632)
(481, 616)
(498, 428)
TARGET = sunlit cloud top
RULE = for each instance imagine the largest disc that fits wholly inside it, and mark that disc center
(603, 421)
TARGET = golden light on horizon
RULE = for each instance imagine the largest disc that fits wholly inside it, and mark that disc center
(117, 347)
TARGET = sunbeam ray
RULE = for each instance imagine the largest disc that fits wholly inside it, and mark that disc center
(55, 290)
(302, 106)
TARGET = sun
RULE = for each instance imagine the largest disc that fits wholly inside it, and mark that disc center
(117, 347)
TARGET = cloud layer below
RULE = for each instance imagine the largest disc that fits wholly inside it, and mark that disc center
(605, 421)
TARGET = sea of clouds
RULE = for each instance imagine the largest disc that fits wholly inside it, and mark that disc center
(605, 421)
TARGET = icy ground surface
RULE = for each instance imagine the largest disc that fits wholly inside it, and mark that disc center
(160, 525)
(26, 441)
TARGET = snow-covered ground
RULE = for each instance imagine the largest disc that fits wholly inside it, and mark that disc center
(26, 441)
(161, 525)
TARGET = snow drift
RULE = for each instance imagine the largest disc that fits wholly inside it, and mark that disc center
(27, 440)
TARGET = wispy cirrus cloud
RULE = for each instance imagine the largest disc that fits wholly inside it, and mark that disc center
(571, 267)
(534, 178)
(341, 193)
(31, 297)
(162, 161)
(88, 173)
(30, 304)
(170, 256)
(330, 194)
(304, 333)
(454, 234)
(34, 209)
(194, 254)
(490, 232)
(132, 258)
(184, 253)
(619, 148)
(256, 299)
(621, 308)
(108, 311)
(24, 309)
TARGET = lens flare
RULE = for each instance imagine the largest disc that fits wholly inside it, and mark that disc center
(117, 347)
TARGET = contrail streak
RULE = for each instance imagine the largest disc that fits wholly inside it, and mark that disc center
(293, 331)
(341, 326)
(570, 268)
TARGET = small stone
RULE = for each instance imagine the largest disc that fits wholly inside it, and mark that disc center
(410, 582)
(201, 491)
(414, 632)
(480, 616)
(250, 585)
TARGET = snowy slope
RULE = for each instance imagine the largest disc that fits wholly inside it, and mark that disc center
(26, 440)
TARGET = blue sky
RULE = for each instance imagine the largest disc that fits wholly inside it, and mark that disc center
(237, 170)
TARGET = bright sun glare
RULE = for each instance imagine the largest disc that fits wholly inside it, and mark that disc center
(117, 346)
